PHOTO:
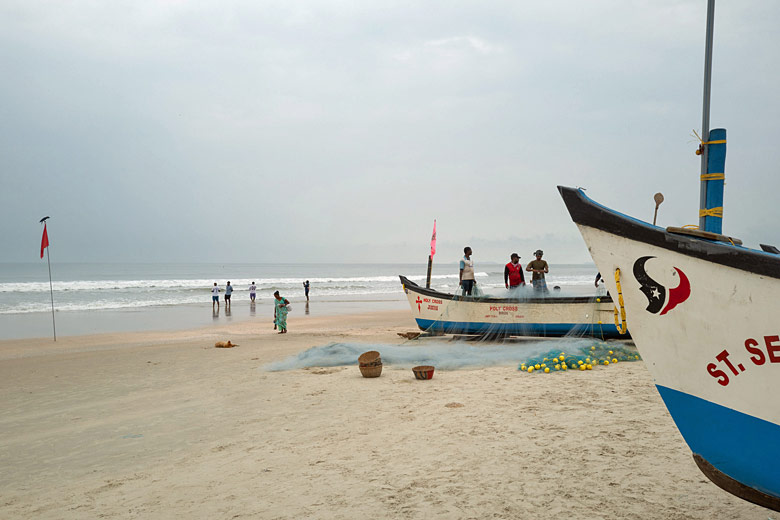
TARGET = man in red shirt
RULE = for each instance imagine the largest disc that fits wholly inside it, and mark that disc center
(513, 273)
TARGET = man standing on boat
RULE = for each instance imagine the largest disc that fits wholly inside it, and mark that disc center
(467, 271)
(513, 273)
(538, 267)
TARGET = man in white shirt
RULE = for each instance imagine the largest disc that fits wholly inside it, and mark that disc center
(467, 271)
(214, 296)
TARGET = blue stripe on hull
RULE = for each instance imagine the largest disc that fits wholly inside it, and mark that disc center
(741, 446)
(521, 329)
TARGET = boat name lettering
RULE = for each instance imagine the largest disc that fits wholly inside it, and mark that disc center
(434, 300)
(505, 308)
(758, 358)
(433, 307)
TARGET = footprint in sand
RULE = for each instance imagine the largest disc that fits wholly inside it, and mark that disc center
(323, 371)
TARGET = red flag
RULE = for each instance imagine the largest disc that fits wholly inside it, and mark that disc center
(44, 239)
(433, 239)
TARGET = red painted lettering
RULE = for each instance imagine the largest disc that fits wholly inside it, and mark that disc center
(758, 357)
(724, 356)
(720, 375)
(773, 348)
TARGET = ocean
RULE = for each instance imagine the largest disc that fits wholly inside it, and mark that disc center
(94, 298)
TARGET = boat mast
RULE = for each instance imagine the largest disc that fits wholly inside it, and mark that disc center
(705, 120)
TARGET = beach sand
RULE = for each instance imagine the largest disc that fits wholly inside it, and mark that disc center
(164, 425)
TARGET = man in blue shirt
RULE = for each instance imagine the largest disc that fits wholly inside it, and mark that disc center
(228, 292)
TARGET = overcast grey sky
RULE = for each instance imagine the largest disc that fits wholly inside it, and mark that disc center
(335, 131)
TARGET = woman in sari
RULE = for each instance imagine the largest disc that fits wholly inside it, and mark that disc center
(280, 312)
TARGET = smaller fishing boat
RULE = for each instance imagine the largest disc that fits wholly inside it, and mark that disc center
(528, 314)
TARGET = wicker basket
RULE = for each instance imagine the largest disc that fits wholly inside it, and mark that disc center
(370, 359)
(372, 371)
(423, 372)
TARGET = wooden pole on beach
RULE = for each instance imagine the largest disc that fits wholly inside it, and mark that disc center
(45, 245)
(430, 256)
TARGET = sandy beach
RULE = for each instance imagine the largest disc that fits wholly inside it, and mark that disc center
(164, 425)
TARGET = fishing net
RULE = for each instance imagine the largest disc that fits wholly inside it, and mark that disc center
(452, 355)
(578, 313)
(579, 357)
(569, 326)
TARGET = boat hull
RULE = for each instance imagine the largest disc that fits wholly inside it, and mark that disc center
(552, 317)
(704, 317)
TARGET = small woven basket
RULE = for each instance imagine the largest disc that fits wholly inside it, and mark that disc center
(372, 371)
(370, 359)
(423, 372)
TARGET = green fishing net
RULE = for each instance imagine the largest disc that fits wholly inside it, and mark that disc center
(599, 354)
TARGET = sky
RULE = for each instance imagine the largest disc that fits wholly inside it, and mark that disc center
(337, 131)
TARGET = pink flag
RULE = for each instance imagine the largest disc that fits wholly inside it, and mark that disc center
(45, 239)
(433, 239)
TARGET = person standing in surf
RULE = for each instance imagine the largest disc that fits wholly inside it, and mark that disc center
(466, 274)
(306, 289)
(252, 292)
(214, 296)
(228, 294)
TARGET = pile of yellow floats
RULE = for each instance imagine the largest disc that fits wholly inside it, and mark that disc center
(597, 355)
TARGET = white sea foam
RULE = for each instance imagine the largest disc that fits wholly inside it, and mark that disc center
(97, 286)
(205, 284)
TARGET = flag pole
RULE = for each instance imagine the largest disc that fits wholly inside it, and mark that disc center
(51, 292)
(430, 257)
(51, 287)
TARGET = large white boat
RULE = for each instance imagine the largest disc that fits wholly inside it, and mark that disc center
(705, 317)
(524, 315)
(703, 312)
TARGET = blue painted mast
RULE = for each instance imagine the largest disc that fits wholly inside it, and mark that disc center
(713, 149)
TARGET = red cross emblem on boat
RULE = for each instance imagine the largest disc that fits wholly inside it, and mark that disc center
(418, 302)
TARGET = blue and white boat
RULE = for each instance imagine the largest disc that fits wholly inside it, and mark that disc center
(523, 315)
(705, 316)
